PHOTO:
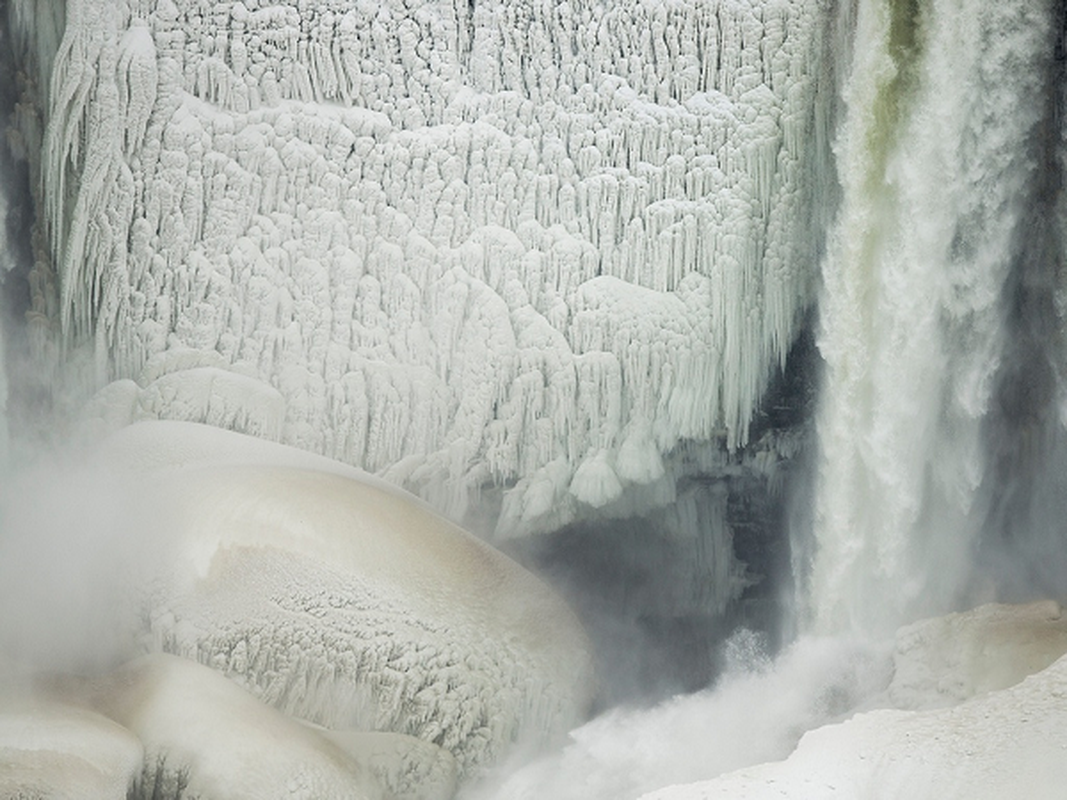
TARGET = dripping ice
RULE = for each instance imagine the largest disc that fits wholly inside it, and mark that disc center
(535, 248)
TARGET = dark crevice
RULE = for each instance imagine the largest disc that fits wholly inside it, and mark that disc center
(644, 586)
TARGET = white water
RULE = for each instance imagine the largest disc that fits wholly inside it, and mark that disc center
(4, 444)
(756, 712)
(4, 267)
(934, 175)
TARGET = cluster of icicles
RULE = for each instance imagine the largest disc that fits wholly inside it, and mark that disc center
(523, 245)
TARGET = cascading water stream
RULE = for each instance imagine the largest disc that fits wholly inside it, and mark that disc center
(4, 447)
(935, 166)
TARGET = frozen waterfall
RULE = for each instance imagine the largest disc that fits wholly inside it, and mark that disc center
(743, 323)
(523, 249)
(542, 264)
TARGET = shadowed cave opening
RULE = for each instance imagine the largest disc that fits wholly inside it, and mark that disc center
(641, 584)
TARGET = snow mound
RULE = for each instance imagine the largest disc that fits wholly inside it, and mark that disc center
(1007, 739)
(944, 660)
(347, 604)
(61, 752)
(205, 737)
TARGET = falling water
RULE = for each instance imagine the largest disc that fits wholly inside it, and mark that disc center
(936, 159)
(4, 446)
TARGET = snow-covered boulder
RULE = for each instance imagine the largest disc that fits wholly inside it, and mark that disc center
(62, 752)
(343, 602)
(165, 728)
(943, 660)
(207, 738)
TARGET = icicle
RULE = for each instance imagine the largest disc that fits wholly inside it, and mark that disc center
(523, 236)
(137, 81)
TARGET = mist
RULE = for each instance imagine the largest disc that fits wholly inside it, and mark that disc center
(754, 355)
(756, 711)
(70, 541)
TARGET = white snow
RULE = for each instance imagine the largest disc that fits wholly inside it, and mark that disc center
(457, 245)
(945, 660)
(205, 737)
(342, 602)
(1006, 744)
(63, 752)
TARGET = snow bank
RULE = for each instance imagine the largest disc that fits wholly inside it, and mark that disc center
(513, 245)
(63, 752)
(1005, 744)
(944, 660)
(205, 737)
(344, 603)
(1006, 740)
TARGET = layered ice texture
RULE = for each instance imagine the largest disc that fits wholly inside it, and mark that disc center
(335, 618)
(530, 247)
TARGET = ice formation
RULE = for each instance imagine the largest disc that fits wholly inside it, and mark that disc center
(344, 603)
(523, 245)
(205, 737)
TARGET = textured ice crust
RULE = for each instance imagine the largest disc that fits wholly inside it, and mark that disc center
(512, 244)
(206, 738)
(346, 603)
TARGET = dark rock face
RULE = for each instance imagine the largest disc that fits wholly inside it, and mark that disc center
(662, 591)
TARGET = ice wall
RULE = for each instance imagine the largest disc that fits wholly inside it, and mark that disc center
(525, 245)
(938, 157)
